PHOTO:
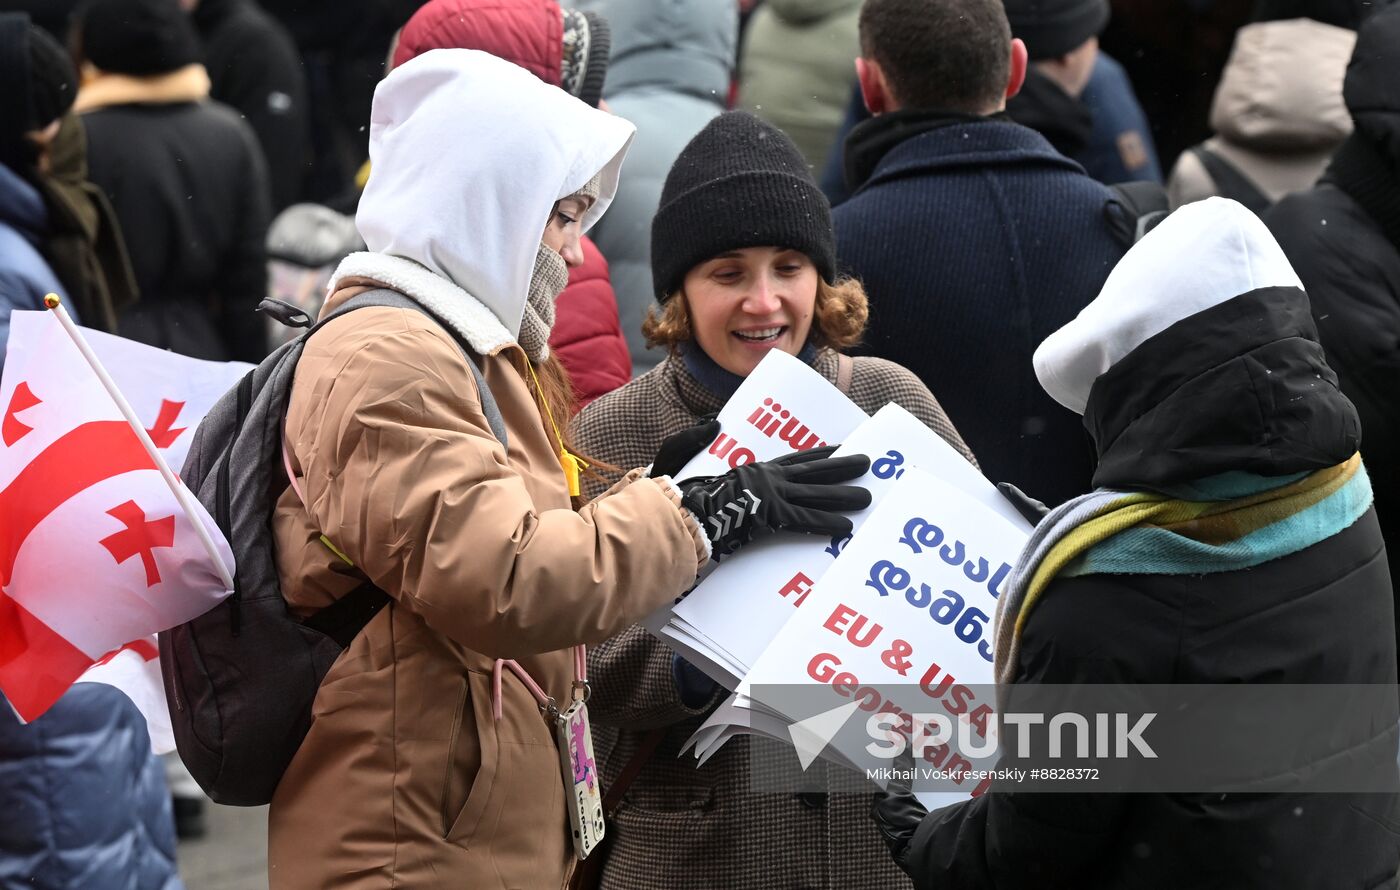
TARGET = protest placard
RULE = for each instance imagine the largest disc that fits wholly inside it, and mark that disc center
(745, 601)
(783, 406)
(908, 607)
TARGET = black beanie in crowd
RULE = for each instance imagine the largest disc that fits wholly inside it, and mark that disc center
(739, 183)
(40, 84)
(141, 38)
(1052, 28)
(587, 43)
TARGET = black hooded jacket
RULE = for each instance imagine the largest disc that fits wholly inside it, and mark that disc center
(1239, 386)
(1343, 239)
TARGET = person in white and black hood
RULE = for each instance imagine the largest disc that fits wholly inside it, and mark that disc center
(1230, 540)
(185, 175)
(1343, 237)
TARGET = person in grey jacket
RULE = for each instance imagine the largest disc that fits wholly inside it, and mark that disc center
(669, 76)
(796, 71)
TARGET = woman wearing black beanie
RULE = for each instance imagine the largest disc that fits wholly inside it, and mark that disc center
(743, 262)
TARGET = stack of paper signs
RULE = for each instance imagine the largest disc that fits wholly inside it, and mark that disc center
(928, 558)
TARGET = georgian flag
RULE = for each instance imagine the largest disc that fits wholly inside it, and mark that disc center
(96, 553)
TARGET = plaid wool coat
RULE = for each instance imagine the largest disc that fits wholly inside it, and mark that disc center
(680, 827)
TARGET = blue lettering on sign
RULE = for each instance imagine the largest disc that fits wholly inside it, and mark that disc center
(889, 466)
(885, 575)
(948, 608)
(920, 534)
(837, 545)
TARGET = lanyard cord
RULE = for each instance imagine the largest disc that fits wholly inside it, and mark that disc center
(547, 704)
(572, 464)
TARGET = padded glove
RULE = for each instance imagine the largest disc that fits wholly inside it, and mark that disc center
(678, 449)
(1027, 506)
(797, 492)
(897, 812)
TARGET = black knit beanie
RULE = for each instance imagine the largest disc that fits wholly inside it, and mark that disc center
(1051, 28)
(739, 183)
(587, 42)
(40, 84)
(141, 38)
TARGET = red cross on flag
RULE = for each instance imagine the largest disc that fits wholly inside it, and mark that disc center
(96, 551)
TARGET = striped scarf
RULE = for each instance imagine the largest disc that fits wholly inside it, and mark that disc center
(1240, 521)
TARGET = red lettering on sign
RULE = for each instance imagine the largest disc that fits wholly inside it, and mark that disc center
(800, 585)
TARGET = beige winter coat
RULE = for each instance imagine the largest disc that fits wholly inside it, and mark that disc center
(1278, 113)
(405, 779)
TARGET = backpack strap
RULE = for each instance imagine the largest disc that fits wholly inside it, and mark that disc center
(844, 365)
(349, 614)
(1230, 180)
(1134, 209)
(396, 300)
(343, 619)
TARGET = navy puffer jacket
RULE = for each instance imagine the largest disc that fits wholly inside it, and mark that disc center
(84, 800)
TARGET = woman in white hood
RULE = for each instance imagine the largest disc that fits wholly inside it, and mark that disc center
(431, 760)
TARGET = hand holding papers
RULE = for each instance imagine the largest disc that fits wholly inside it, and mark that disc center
(796, 492)
(754, 619)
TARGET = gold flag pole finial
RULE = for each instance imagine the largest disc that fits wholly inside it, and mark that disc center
(51, 301)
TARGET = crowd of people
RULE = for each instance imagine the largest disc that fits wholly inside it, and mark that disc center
(958, 206)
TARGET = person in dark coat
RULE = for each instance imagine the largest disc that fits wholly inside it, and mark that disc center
(185, 175)
(1121, 147)
(41, 86)
(974, 237)
(254, 68)
(1343, 237)
(57, 232)
(1231, 539)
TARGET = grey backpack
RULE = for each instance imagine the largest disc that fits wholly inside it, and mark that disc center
(240, 679)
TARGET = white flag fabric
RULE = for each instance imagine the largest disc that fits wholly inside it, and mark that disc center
(135, 670)
(96, 553)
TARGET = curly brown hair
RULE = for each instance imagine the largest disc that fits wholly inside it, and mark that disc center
(839, 317)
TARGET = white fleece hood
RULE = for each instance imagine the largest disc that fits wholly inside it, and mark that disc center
(1200, 256)
(468, 154)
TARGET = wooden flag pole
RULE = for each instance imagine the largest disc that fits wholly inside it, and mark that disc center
(182, 494)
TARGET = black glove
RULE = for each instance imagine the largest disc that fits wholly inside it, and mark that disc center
(678, 449)
(1027, 506)
(797, 492)
(897, 812)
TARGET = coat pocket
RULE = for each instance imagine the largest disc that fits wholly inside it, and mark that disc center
(473, 757)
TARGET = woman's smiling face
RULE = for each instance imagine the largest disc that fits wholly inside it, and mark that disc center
(745, 302)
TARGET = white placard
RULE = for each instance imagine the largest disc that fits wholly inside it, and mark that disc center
(748, 598)
(782, 407)
(907, 608)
